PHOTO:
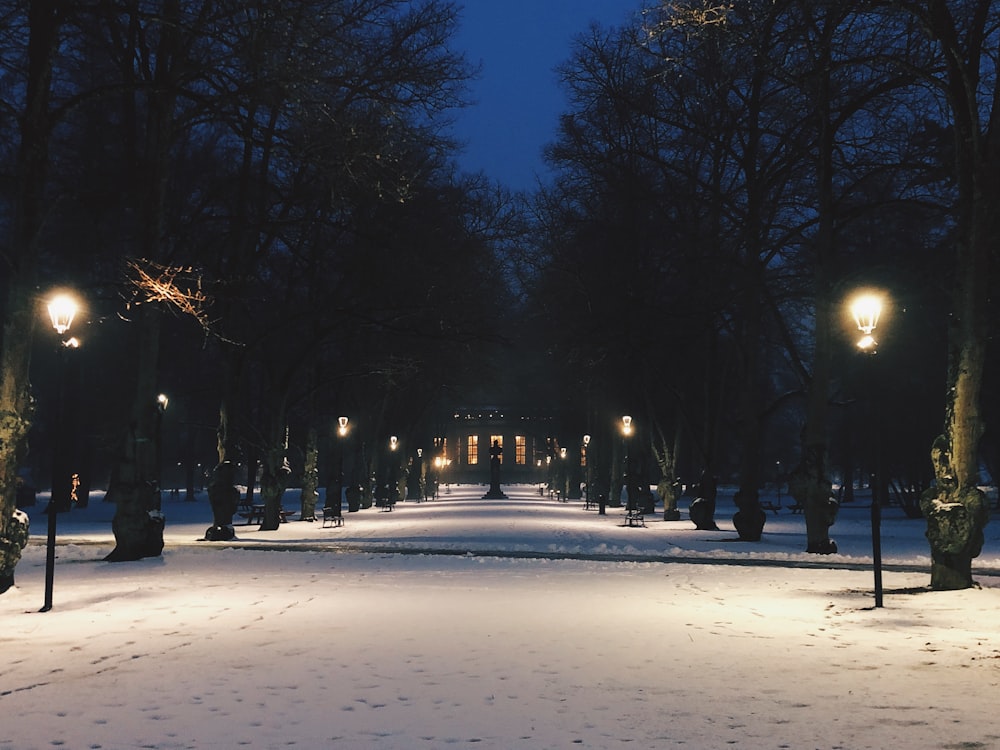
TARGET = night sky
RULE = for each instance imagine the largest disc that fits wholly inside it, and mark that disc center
(518, 44)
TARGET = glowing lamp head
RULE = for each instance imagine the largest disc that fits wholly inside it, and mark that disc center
(866, 309)
(627, 424)
(62, 309)
(342, 426)
(161, 401)
(586, 441)
(393, 443)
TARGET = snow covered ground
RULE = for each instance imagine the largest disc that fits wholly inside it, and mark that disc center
(519, 623)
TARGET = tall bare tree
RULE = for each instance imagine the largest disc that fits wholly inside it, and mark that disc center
(966, 38)
(40, 23)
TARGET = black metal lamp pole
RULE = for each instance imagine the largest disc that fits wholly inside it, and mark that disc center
(866, 309)
(62, 309)
(55, 498)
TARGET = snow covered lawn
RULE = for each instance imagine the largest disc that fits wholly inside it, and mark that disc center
(537, 625)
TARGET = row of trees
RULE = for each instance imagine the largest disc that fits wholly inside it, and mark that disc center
(726, 175)
(279, 175)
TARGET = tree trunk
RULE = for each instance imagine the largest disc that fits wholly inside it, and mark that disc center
(15, 414)
(310, 476)
(273, 482)
(222, 493)
(149, 112)
(135, 488)
(750, 518)
(810, 482)
(956, 510)
(669, 487)
(21, 311)
(275, 468)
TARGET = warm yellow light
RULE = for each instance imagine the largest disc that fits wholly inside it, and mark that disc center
(562, 453)
(393, 442)
(62, 309)
(342, 426)
(586, 440)
(866, 309)
(627, 424)
(162, 400)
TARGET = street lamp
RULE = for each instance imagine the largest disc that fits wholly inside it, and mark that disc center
(563, 493)
(62, 309)
(162, 400)
(335, 491)
(866, 309)
(342, 433)
(631, 500)
(586, 464)
(392, 488)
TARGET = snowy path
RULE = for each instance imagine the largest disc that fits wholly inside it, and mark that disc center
(317, 647)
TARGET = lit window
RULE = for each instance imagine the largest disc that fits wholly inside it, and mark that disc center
(472, 455)
(520, 450)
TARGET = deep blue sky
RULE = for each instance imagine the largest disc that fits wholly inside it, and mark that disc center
(518, 43)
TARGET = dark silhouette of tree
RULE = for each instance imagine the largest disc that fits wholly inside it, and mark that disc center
(33, 34)
(963, 37)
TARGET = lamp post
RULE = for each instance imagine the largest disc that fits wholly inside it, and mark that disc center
(415, 478)
(777, 478)
(563, 493)
(338, 485)
(162, 401)
(62, 309)
(550, 480)
(586, 465)
(393, 486)
(866, 309)
(626, 434)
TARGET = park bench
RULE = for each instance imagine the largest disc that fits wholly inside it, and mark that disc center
(774, 507)
(634, 517)
(332, 517)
